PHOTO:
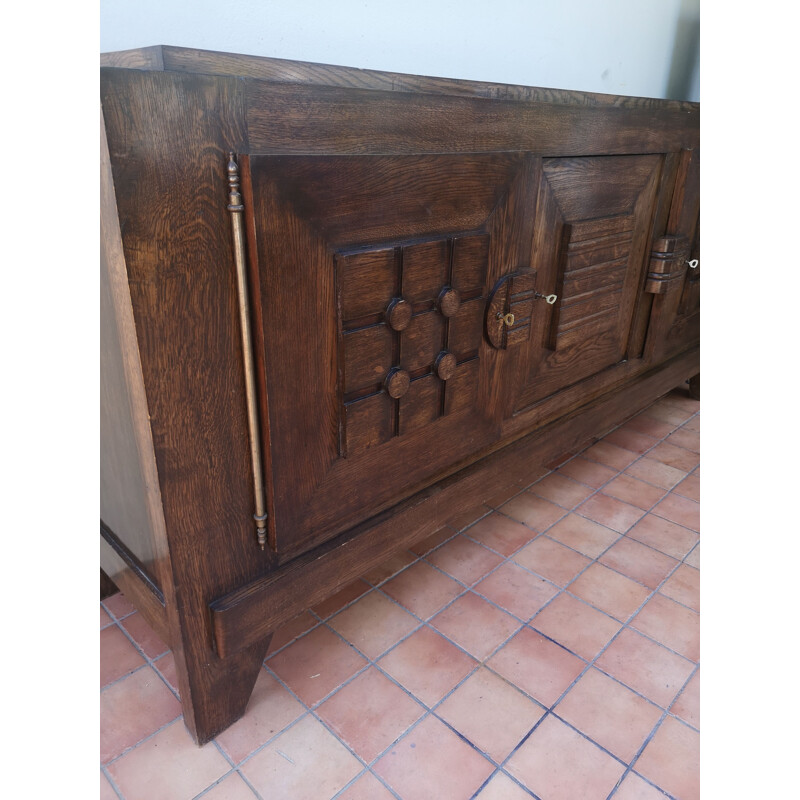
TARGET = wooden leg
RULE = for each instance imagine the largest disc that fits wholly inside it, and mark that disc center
(694, 386)
(214, 691)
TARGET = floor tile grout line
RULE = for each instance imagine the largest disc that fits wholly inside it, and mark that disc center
(628, 771)
(480, 663)
(352, 781)
(373, 663)
(121, 678)
(647, 780)
(640, 750)
(501, 771)
(427, 709)
(128, 750)
(506, 559)
(222, 778)
(678, 602)
(592, 663)
(624, 470)
(678, 695)
(252, 788)
(114, 616)
(589, 665)
(148, 662)
(538, 533)
(113, 783)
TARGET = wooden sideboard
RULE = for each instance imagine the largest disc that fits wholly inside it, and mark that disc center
(337, 301)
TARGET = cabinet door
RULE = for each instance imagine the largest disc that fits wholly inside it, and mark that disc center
(675, 319)
(371, 279)
(593, 224)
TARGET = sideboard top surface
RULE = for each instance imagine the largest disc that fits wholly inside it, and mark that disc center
(167, 58)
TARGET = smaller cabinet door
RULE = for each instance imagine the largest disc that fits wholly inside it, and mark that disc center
(675, 280)
(592, 231)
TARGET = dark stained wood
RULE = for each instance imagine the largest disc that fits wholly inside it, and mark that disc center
(445, 365)
(367, 358)
(510, 309)
(150, 58)
(667, 264)
(590, 253)
(107, 586)
(397, 383)
(309, 119)
(244, 615)
(694, 386)
(449, 302)
(277, 70)
(380, 211)
(283, 71)
(675, 315)
(438, 203)
(168, 141)
(398, 314)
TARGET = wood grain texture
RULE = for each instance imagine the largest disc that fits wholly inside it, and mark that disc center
(276, 70)
(107, 586)
(130, 493)
(309, 119)
(382, 215)
(128, 576)
(168, 141)
(244, 615)
(149, 58)
(368, 197)
(675, 321)
(592, 252)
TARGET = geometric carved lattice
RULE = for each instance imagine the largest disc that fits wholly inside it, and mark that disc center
(411, 320)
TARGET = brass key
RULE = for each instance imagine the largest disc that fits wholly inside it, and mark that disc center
(508, 319)
(548, 298)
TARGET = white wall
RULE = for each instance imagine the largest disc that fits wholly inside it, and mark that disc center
(635, 47)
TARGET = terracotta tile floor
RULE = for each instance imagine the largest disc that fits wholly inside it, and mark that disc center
(544, 645)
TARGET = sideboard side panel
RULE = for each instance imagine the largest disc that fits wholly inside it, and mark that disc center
(130, 498)
(169, 138)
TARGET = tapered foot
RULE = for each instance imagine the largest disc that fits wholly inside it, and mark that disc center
(215, 693)
(694, 386)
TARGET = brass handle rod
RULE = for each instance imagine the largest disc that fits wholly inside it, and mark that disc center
(236, 208)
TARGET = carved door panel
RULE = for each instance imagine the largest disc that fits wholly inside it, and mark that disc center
(370, 278)
(593, 223)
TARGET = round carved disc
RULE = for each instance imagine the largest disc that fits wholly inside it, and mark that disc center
(398, 314)
(449, 301)
(445, 365)
(397, 383)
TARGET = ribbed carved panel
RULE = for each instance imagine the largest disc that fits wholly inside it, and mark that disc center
(595, 263)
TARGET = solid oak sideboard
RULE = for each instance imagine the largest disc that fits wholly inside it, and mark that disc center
(336, 301)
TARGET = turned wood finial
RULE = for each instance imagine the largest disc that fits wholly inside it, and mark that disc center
(234, 196)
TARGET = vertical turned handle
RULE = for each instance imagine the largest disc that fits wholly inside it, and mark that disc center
(236, 207)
